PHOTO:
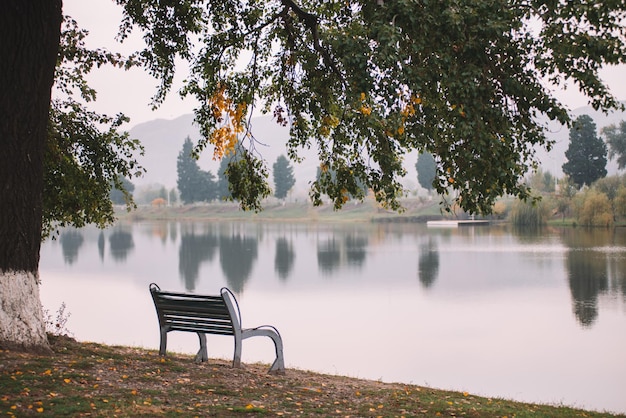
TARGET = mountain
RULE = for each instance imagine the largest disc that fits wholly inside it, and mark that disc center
(163, 140)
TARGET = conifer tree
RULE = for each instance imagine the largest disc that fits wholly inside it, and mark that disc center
(586, 154)
(283, 177)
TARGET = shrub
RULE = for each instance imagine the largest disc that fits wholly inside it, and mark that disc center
(595, 209)
(528, 214)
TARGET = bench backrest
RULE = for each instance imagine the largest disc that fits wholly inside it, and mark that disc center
(196, 313)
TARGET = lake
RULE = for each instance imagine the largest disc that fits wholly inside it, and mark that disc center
(532, 316)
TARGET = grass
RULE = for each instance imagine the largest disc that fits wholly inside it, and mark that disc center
(87, 379)
(303, 211)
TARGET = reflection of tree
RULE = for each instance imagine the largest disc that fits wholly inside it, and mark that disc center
(71, 242)
(121, 243)
(194, 249)
(101, 243)
(428, 264)
(237, 254)
(356, 250)
(587, 274)
(328, 256)
(285, 256)
(587, 270)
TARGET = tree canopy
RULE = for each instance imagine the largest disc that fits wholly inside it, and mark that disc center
(283, 177)
(426, 168)
(365, 82)
(616, 141)
(194, 184)
(586, 154)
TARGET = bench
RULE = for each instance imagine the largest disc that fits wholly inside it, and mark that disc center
(219, 315)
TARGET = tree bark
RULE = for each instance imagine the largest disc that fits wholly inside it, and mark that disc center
(29, 41)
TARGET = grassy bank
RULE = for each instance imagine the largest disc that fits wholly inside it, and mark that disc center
(85, 379)
(367, 211)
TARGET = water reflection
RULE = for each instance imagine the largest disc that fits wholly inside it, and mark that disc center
(71, 241)
(428, 263)
(284, 259)
(121, 244)
(593, 261)
(328, 256)
(588, 270)
(356, 249)
(195, 248)
(238, 253)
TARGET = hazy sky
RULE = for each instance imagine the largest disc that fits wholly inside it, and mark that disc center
(130, 92)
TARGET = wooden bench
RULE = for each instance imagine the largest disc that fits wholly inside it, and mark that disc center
(203, 315)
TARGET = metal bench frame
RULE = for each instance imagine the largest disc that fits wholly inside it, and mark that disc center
(202, 314)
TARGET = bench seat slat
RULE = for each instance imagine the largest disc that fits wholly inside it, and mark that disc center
(204, 314)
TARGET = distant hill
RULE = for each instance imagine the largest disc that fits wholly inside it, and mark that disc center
(163, 140)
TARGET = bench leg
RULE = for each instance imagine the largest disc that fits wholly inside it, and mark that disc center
(279, 364)
(163, 344)
(202, 353)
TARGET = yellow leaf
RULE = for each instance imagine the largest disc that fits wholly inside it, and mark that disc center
(66, 380)
(249, 406)
(48, 372)
(39, 410)
(133, 392)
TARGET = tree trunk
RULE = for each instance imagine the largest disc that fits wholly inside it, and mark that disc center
(29, 42)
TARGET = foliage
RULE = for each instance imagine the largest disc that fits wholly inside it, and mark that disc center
(610, 187)
(528, 214)
(82, 165)
(247, 181)
(283, 177)
(426, 170)
(58, 325)
(619, 203)
(594, 209)
(586, 154)
(194, 184)
(365, 82)
(616, 141)
(83, 162)
(542, 181)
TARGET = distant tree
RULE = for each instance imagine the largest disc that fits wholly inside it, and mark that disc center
(564, 195)
(118, 196)
(610, 186)
(283, 177)
(595, 209)
(208, 187)
(426, 170)
(616, 140)
(586, 154)
(194, 184)
(619, 204)
(542, 181)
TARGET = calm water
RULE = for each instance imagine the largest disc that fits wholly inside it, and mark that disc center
(534, 317)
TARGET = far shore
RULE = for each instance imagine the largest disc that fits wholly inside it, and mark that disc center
(414, 210)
